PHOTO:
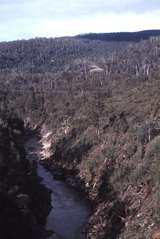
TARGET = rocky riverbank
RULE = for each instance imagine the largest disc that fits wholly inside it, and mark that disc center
(115, 170)
(65, 162)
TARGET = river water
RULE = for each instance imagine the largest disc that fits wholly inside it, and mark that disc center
(70, 212)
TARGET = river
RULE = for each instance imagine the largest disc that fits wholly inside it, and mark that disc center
(70, 212)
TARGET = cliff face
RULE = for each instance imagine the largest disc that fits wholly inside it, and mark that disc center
(24, 202)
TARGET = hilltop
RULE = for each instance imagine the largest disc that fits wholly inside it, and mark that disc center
(121, 36)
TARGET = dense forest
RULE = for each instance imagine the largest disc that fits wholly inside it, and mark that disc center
(100, 102)
(121, 36)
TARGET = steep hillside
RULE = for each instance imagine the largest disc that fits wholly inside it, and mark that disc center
(98, 112)
(22, 213)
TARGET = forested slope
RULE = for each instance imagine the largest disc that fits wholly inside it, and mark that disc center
(100, 103)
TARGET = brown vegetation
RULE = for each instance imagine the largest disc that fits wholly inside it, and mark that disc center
(105, 125)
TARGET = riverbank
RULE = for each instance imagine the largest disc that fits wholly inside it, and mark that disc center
(69, 213)
(67, 161)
